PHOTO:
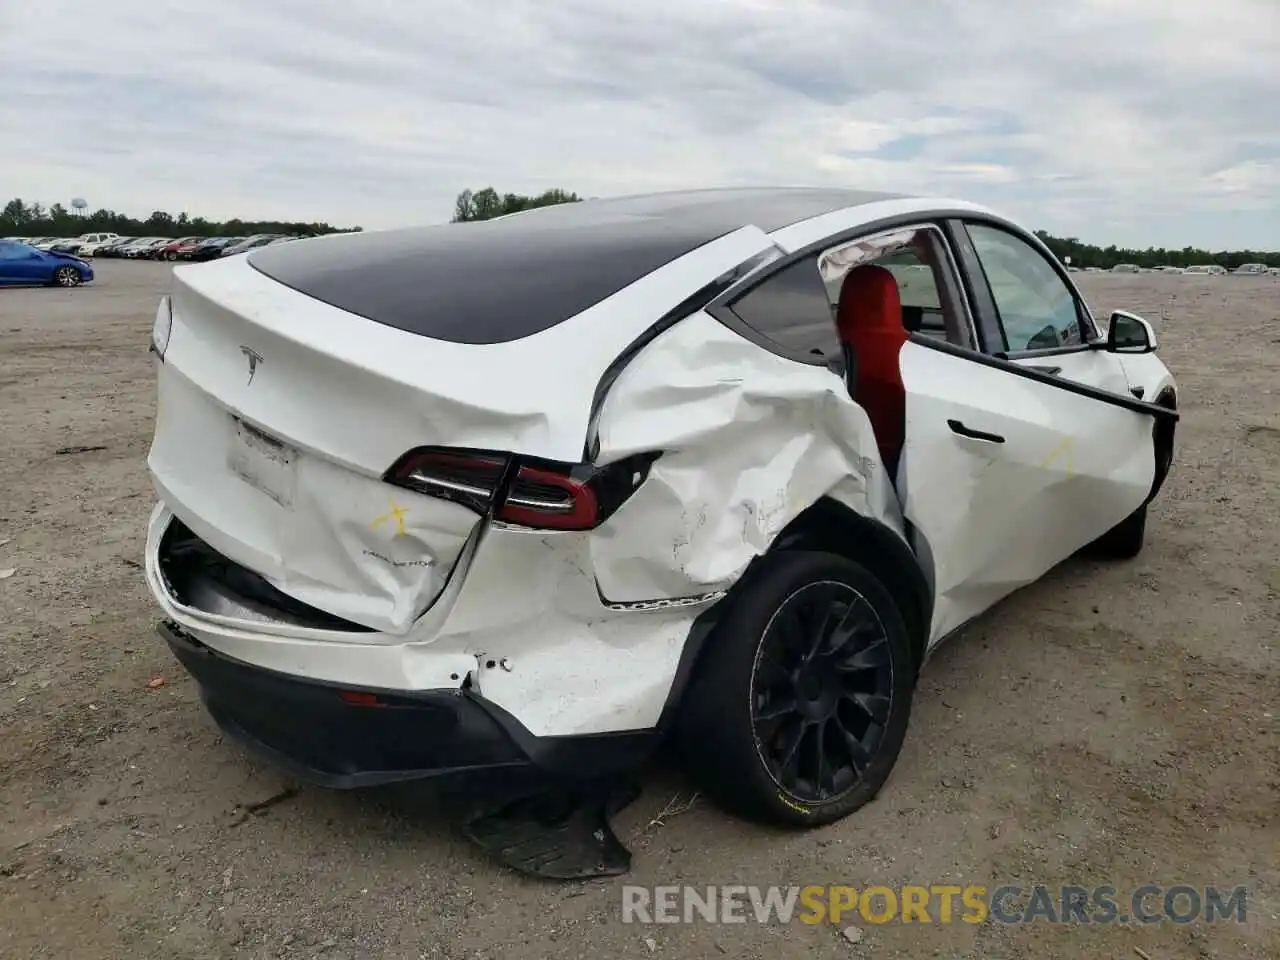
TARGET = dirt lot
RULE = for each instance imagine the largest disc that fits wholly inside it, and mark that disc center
(1113, 724)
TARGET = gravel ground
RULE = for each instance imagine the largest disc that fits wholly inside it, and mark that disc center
(1112, 724)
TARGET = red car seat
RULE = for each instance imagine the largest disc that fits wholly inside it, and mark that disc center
(869, 320)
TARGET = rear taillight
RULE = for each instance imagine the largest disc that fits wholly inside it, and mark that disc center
(461, 476)
(521, 490)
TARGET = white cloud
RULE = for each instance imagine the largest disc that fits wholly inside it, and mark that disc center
(1127, 121)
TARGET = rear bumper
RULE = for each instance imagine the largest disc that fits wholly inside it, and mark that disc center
(304, 727)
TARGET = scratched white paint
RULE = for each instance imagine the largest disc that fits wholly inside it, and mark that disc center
(331, 537)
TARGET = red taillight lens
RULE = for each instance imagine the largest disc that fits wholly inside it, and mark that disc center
(538, 497)
(520, 490)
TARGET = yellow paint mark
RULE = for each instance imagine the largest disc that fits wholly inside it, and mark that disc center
(1065, 449)
(803, 811)
(396, 513)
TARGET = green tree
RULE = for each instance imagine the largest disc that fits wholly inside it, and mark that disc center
(488, 203)
(464, 208)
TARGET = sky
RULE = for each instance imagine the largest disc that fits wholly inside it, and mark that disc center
(1134, 122)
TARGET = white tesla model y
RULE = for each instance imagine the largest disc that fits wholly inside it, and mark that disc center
(534, 493)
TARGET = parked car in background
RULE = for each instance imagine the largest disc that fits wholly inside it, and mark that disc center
(140, 249)
(183, 249)
(112, 247)
(1206, 269)
(90, 243)
(23, 264)
(1170, 270)
(1250, 270)
(249, 243)
(169, 249)
(126, 249)
(212, 248)
(66, 245)
(1126, 268)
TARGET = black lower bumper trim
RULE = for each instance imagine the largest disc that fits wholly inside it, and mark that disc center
(306, 728)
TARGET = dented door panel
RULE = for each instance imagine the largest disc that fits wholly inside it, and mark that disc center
(1005, 476)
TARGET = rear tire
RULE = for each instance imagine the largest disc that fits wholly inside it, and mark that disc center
(799, 706)
(1124, 541)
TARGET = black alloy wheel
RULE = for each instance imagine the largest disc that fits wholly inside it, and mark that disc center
(798, 705)
(822, 691)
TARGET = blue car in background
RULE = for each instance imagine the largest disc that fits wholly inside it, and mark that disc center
(21, 264)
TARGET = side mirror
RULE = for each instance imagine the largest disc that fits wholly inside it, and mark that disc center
(1129, 333)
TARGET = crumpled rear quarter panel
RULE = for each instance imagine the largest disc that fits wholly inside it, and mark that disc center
(748, 439)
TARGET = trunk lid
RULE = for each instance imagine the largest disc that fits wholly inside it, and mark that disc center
(273, 432)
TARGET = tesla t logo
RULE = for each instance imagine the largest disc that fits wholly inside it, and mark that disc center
(254, 358)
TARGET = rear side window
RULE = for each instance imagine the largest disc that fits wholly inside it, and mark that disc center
(791, 309)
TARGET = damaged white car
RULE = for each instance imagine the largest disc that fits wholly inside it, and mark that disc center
(534, 493)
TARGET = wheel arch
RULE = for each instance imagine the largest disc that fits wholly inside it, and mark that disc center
(831, 527)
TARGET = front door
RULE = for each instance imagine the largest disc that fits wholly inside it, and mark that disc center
(1004, 476)
(1023, 444)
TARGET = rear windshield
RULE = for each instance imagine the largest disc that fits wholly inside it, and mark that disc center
(487, 282)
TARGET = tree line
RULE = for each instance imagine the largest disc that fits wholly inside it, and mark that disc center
(19, 218)
(1089, 255)
(488, 203)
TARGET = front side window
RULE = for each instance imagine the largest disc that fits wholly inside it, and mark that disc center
(1037, 310)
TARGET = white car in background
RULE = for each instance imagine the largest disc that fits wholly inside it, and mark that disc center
(1206, 269)
(720, 465)
(90, 242)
